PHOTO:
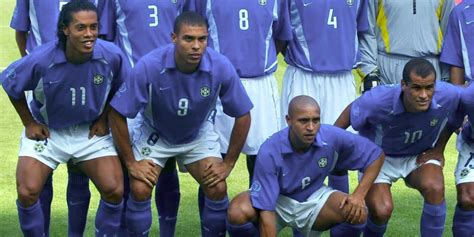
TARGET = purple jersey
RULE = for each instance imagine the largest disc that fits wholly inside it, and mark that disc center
(138, 27)
(66, 94)
(176, 104)
(380, 116)
(281, 171)
(243, 30)
(39, 18)
(458, 47)
(325, 34)
(467, 108)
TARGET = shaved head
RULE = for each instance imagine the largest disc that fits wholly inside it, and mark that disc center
(301, 101)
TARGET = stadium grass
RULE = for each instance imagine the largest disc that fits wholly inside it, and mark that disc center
(404, 222)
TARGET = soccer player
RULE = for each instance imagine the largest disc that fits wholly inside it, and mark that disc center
(249, 34)
(138, 27)
(458, 52)
(399, 31)
(72, 80)
(412, 122)
(177, 87)
(34, 23)
(288, 189)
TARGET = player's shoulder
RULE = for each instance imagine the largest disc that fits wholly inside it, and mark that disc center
(44, 55)
(330, 134)
(157, 58)
(274, 145)
(217, 60)
(381, 96)
(447, 91)
(107, 49)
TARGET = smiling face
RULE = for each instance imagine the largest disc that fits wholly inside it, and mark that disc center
(191, 43)
(418, 92)
(81, 35)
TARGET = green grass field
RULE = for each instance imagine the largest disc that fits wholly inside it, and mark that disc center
(404, 222)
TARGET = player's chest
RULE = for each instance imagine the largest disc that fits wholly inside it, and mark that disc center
(408, 128)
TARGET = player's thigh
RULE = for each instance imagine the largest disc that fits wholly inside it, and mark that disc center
(31, 174)
(428, 179)
(197, 169)
(105, 172)
(330, 213)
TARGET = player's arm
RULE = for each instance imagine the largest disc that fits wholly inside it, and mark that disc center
(33, 129)
(437, 152)
(21, 38)
(457, 75)
(267, 223)
(100, 126)
(143, 170)
(356, 208)
(218, 172)
(344, 119)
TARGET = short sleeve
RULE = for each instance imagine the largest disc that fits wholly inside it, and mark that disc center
(451, 52)
(234, 98)
(20, 20)
(19, 77)
(265, 189)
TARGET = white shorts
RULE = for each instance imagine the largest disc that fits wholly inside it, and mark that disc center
(400, 167)
(263, 91)
(65, 144)
(333, 92)
(464, 172)
(147, 145)
(302, 215)
(391, 67)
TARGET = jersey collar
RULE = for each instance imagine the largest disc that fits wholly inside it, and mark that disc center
(285, 144)
(60, 54)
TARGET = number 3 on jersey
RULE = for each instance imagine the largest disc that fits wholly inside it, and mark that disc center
(153, 15)
(183, 104)
(332, 20)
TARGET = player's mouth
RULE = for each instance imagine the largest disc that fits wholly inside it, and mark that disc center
(309, 137)
(88, 44)
(423, 103)
(195, 56)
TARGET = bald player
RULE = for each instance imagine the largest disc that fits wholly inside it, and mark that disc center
(287, 187)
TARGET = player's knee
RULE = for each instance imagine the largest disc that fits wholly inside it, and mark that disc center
(217, 192)
(141, 192)
(240, 210)
(433, 192)
(28, 194)
(112, 193)
(381, 212)
(466, 199)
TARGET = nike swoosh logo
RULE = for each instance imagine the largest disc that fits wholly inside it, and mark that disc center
(307, 4)
(72, 203)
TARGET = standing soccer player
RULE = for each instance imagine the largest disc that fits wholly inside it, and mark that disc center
(401, 30)
(72, 80)
(288, 188)
(138, 27)
(35, 24)
(177, 87)
(412, 122)
(458, 52)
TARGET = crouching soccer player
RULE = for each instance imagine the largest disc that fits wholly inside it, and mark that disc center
(72, 80)
(177, 87)
(287, 187)
(412, 122)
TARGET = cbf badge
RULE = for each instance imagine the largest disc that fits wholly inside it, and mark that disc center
(350, 2)
(146, 151)
(464, 172)
(262, 2)
(205, 91)
(322, 162)
(39, 147)
(433, 122)
(98, 79)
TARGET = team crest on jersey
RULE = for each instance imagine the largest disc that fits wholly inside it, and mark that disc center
(256, 187)
(98, 79)
(464, 172)
(205, 91)
(11, 73)
(146, 151)
(433, 122)
(39, 147)
(350, 2)
(262, 2)
(322, 162)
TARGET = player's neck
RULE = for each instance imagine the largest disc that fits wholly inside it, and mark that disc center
(297, 145)
(75, 57)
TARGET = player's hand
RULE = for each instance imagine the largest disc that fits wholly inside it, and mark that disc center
(430, 154)
(99, 128)
(36, 131)
(370, 81)
(215, 173)
(354, 209)
(145, 171)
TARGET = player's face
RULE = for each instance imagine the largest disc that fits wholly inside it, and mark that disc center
(304, 125)
(191, 43)
(418, 93)
(81, 35)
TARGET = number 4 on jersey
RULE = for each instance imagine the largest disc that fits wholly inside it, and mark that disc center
(332, 20)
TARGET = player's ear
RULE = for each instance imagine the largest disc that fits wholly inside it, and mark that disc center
(174, 37)
(65, 30)
(287, 118)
